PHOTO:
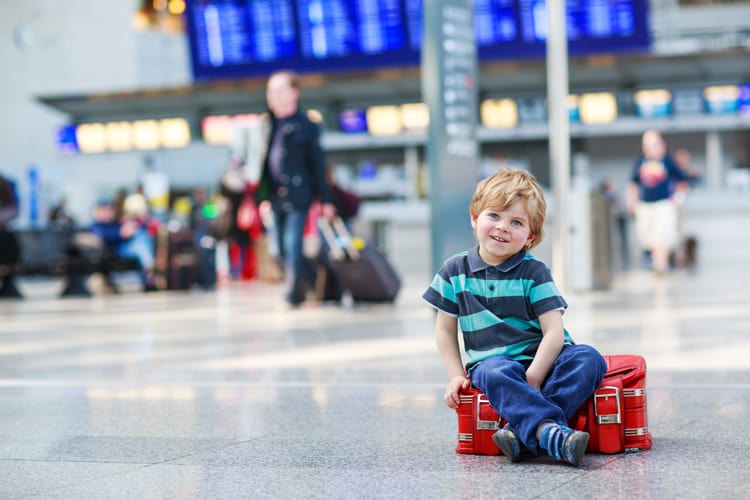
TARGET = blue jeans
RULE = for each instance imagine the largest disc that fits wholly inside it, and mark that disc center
(140, 246)
(290, 229)
(574, 377)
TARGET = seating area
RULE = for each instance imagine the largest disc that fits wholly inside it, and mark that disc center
(71, 254)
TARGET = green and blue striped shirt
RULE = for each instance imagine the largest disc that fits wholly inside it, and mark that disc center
(497, 307)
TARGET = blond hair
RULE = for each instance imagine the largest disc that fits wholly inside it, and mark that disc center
(503, 189)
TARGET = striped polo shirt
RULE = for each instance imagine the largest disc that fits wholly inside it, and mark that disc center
(497, 306)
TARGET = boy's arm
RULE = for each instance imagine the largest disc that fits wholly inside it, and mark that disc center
(553, 336)
(446, 336)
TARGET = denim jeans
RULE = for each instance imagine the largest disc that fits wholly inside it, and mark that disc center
(573, 378)
(290, 227)
(140, 246)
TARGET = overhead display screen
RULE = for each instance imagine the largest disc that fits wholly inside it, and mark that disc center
(237, 33)
(341, 28)
(240, 38)
(593, 25)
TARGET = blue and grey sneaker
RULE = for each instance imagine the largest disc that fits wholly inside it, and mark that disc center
(508, 443)
(564, 443)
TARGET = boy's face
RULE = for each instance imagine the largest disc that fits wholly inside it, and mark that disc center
(502, 234)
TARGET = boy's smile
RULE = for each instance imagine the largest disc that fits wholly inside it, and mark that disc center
(502, 233)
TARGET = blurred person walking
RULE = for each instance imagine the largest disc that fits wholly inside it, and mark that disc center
(656, 185)
(234, 190)
(293, 175)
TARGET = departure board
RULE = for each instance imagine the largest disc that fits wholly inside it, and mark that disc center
(341, 28)
(235, 33)
(240, 38)
(591, 24)
(494, 22)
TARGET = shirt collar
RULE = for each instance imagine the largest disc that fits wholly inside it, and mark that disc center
(476, 263)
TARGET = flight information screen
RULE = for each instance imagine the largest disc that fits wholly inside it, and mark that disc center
(235, 33)
(240, 38)
(592, 25)
(341, 28)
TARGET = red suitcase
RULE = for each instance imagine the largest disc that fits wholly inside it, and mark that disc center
(477, 422)
(615, 416)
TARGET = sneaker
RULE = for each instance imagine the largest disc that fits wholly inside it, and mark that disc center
(564, 443)
(508, 442)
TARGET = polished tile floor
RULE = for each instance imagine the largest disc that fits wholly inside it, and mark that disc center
(219, 395)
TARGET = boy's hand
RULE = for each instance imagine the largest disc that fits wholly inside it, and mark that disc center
(454, 387)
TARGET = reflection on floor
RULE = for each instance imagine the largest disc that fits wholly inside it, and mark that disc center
(220, 395)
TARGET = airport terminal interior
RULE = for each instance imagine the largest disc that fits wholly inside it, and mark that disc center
(216, 395)
(213, 389)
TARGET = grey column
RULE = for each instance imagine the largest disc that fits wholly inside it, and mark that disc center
(559, 137)
(449, 88)
(714, 161)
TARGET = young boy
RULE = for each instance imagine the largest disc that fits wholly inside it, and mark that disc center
(510, 313)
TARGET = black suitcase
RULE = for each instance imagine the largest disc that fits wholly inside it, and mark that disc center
(325, 280)
(366, 273)
(182, 260)
(205, 265)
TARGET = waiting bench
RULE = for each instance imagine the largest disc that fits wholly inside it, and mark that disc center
(72, 254)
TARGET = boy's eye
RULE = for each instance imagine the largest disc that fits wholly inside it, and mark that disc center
(516, 223)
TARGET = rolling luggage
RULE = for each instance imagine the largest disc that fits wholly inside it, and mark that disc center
(176, 260)
(615, 416)
(327, 284)
(365, 273)
(477, 422)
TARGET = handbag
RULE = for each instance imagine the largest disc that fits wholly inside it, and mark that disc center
(247, 213)
(615, 416)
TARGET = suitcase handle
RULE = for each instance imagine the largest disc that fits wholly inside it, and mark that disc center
(334, 232)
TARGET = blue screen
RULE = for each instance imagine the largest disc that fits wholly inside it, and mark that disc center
(744, 100)
(340, 28)
(353, 120)
(230, 36)
(66, 139)
(240, 38)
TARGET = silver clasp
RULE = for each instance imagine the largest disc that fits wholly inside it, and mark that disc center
(485, 425)
(610, 418)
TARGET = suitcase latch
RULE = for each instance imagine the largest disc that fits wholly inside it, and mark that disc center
(604, 393)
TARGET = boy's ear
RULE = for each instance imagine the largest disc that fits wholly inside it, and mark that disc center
(529, 240)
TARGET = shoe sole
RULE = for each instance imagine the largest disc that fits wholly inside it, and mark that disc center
(578, 445)
(507, 448)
